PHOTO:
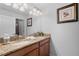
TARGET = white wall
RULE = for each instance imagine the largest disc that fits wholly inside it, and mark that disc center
(8, 14)
(35, 26)
(65, 36)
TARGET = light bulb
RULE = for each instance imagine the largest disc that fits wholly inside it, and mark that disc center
(34, 9)
(30, 12)
(25, 6)
(38, 12)
(15, 5)
(22, 9)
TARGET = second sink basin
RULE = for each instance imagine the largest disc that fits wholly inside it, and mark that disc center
(30, 38)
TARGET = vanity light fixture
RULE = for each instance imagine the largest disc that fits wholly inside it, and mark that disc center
(19, 6)
(35, 12)
(24, 6)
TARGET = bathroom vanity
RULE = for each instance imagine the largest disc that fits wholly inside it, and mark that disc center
(37, 47)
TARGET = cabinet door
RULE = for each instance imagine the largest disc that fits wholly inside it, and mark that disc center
(33, 53)
(44, 50)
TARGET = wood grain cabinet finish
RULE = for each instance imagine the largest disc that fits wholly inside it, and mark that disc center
(44, 51)
(37, 49)
(24, 51)
(33, 53)
(44, 48)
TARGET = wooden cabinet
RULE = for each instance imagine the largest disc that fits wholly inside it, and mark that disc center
(40, 48)
(25, 50)
(44, 51)
(33, 53)
(44, 48)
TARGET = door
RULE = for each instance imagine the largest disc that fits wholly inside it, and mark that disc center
(33, 53)
(19, 27)
(44, 50)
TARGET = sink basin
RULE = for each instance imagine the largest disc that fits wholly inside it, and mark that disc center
(30, 38)
(21, 43)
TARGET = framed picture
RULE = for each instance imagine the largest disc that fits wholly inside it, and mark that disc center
(29, 22)
(68, 13)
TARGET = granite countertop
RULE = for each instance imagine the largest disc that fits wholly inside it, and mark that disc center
(15, 45)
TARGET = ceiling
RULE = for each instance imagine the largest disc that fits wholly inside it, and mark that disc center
(48, 7)
(24, 8)
(44, 8)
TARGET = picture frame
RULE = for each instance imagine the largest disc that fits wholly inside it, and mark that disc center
(68, 13)
(29, 22)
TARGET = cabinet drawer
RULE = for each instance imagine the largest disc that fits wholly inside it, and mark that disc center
(44, 41)
(24, 51)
